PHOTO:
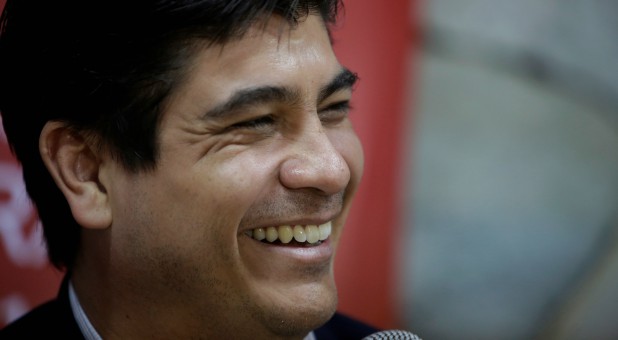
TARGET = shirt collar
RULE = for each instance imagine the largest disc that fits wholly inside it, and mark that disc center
(84, 324)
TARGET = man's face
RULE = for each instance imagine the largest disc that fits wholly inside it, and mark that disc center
(257, 136)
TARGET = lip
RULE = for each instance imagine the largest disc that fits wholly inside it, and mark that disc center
(321, 253)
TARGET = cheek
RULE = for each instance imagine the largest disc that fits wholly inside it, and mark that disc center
(163, 232)
(242, 179)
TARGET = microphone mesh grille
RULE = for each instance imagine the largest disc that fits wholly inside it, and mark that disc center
(393, 334)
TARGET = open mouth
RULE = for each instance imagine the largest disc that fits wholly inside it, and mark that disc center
(297, 235)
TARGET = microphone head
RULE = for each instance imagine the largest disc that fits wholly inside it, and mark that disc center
(393, 334)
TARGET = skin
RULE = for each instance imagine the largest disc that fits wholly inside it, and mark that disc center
(165, 253)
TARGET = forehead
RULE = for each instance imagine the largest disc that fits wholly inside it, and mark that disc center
(269, 53)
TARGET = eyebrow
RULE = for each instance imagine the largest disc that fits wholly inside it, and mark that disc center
(345, 79)
(244, 98)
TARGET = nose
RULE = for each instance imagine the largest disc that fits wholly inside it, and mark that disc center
(315, 163)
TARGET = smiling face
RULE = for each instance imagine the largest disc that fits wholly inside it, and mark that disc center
(257, 161)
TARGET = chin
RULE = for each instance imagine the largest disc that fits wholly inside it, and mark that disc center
(300, 321)
(298, 317)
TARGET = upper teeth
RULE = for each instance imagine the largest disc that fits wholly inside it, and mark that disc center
(301, 233)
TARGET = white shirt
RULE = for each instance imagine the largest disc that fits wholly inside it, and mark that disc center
(84, 324)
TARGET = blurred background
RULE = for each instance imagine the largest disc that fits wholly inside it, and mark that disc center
(511, 222)
(489, 205)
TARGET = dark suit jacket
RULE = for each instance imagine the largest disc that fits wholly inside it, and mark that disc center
(54, 320)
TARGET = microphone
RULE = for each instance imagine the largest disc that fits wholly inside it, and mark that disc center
(392, 334)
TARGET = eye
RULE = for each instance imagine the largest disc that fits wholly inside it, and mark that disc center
(256, 123)
(343, 106)
(335, 112)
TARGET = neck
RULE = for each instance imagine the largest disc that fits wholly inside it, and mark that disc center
(118, 309)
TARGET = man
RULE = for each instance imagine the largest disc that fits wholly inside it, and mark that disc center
(192, 163)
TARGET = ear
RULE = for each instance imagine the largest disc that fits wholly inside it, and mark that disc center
(74, 167)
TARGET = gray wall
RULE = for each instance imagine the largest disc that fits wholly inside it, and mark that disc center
(512, 216)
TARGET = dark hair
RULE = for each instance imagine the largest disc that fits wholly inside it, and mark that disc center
(106, 67)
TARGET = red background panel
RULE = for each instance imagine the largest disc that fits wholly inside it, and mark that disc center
(375, 41)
